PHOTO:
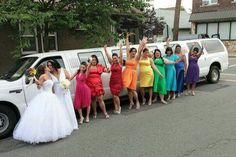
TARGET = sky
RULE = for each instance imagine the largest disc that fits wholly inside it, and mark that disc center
(171, 3)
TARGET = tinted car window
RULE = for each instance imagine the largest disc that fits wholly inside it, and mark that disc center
(212, 46)
(84, 57)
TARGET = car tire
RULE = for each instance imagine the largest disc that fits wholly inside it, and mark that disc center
(213, 75)
(8, 120)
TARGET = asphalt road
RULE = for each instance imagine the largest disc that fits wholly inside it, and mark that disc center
(190, 126)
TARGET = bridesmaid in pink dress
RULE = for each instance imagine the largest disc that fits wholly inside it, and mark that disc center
(94, 82)
(82, 93)
(116, 77)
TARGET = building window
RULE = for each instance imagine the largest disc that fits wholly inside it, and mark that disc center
(233, 32)
(30, 37)
(52, 42)
(209, 2)
(212, 29)
(201, 28)
(224, 29)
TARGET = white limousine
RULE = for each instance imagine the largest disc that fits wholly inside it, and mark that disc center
(16, 93)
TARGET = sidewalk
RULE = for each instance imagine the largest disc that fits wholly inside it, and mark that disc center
(232, 54)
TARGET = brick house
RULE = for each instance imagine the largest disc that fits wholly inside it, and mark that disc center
(215, 17)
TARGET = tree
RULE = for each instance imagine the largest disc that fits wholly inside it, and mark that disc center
(45, 16)
(152, 25)
(176, 20)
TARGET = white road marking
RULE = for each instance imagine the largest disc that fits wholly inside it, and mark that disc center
(227, 74)
(227, 80)
(234, 65)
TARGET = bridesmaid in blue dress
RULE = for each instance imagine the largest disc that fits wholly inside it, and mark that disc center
(181, 69)
(171, 84)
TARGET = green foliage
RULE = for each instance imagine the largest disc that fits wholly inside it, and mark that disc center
(93, 17)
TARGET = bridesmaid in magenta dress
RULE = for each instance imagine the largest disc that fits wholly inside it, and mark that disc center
(116, 77)
(94, 82)
(82, 93)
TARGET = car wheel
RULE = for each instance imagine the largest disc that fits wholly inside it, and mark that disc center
(8, 120)
(213, 75)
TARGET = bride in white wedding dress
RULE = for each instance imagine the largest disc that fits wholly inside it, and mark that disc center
(57, 74)
(44, 120)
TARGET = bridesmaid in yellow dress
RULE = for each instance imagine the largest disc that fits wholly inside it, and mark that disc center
(146, 75)
(129, 75)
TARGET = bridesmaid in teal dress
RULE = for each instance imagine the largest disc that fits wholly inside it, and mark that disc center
(171, 83)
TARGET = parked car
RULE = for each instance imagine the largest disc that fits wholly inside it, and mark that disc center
(16, 92)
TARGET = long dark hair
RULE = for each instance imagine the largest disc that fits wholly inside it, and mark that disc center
(94, 56)
(82, 63)
(154, 53)
(55, 64)
(130, 50)
(169, 49)
(41, 69)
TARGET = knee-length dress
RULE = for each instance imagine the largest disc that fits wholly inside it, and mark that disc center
(129, 75)
(170, 73)
(159, 84)
(179, 67)
(192, 75)
(116, 79)
(146, 73)
(94, 80)
(82, 93)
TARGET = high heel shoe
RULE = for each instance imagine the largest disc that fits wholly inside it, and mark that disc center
(119, 110)
(149, 102)
(154, 100)
(131, 105)
(137, 106)
(173, 98)
(81, 120)
(163, 102)
(87, 120)
(107, 116)
(144, 102)
(95, 115)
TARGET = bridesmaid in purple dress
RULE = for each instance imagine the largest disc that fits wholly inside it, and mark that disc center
(82, 93)
(192, 75)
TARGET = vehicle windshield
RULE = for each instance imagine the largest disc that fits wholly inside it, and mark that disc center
(18, 69)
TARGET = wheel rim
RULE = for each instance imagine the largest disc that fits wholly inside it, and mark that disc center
(4, 122)
(214, 75)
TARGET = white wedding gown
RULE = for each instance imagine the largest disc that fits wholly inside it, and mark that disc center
(44, 120)
(65, 98)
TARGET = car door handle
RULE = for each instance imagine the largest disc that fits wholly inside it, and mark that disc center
(15, 91)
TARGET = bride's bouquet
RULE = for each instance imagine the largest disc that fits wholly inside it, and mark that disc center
(31, 73)
(64, 84)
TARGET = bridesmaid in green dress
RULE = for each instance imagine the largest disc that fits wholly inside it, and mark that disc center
(159, 84)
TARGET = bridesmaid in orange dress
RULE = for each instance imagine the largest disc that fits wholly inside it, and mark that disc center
(129, 75)
(94, 81)
(116, 77)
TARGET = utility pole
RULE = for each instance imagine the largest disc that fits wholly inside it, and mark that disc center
(176, 20)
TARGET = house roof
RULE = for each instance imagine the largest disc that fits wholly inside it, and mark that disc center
(169, 13)
(213, 16)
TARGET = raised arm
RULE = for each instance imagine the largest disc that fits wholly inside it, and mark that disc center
(142, 45)
(121, 55)
(127, 45)
(155, 68)
(73, 76)
(168, 42)
(200, 52)
(107, 54)
(67, 74)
